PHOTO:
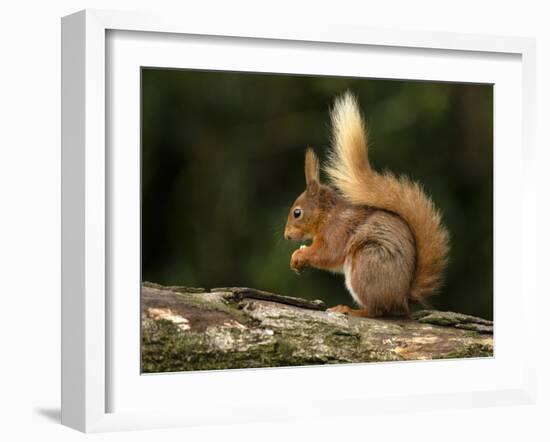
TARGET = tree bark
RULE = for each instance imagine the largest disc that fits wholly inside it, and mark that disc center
(186, 328)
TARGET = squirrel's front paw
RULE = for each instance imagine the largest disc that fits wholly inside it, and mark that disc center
(298, 261)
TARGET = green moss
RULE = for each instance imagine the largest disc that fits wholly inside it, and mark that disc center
(471, 351)
(166, 348)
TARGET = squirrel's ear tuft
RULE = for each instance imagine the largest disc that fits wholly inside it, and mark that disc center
(312, 168)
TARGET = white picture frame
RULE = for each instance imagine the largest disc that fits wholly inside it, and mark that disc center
(88, 318)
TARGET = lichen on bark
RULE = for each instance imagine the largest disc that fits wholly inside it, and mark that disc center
(232, 327)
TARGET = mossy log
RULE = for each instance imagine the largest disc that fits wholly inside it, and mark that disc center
(185, 328)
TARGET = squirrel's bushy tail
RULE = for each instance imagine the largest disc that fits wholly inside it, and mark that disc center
(349, 170)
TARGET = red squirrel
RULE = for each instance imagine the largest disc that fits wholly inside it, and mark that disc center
(381, 231)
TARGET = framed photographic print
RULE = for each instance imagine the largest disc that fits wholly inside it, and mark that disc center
(258, 217)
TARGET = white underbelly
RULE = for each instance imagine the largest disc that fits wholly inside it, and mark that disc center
(347, 274)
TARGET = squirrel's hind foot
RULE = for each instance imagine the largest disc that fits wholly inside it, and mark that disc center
(360, 313)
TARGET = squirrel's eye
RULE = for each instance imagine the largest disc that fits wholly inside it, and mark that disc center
(297, 213)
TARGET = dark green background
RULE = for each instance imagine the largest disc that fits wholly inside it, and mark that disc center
(222, 161)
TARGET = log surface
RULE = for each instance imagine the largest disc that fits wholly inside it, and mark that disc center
(189, 328)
